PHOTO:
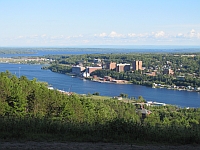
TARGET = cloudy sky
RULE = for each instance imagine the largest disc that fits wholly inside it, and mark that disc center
(99, 22)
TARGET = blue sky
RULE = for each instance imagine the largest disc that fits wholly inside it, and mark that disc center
(99, 22)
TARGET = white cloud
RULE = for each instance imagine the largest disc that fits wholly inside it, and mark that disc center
(43, 36)
(114, 34)
(77, 36)
(86, 41)
(143, 35)
(179, 35)
(160, 34)
(198, 35)
(132, 35)
(20, 37)
(102, 34)
(192, 33)
(34, 36)
(155, 37)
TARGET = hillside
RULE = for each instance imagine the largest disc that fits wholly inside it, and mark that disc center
(30, 111)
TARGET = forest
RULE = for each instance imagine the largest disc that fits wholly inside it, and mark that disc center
(31, 111)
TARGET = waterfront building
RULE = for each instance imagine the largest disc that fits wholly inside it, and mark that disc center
(123, 67)
(92, 69)
(108, 78)
(111, 65)
(77, 69)
(85, 74)
(137, 65)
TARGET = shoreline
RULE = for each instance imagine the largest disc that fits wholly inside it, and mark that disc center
(168, 87)
(177, 88)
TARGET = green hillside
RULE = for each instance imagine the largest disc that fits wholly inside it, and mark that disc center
(31, 111)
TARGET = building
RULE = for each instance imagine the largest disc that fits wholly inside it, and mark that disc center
(108, 78)
(168, 71)
(137, 65)
(111, 65)
(77, 69)
(97, 60)
(123, 67)
(92, 69)
(151, 73)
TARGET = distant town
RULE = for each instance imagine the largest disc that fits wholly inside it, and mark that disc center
(135, 66)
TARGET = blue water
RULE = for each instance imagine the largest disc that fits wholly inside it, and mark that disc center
(75, 51)
(67, 83)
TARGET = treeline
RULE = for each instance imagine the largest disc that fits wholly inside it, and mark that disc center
(59, 68)
(31, 111)
(6, 50)
(21, 97)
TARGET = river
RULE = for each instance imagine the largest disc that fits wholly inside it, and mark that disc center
(77, 85)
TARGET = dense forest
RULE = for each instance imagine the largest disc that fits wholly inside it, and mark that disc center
(31, 111)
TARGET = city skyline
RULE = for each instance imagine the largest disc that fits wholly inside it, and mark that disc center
(88, 23)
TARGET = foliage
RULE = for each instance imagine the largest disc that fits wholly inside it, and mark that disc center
(123, 95)
(60, 68)
(29, 110)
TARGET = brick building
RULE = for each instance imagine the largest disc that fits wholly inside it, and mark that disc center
(111, 65)
(123, 67)
(137, 65)
(91, 69)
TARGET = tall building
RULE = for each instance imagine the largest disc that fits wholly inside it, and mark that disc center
(111, 65)
(137, 65)
(123, 67)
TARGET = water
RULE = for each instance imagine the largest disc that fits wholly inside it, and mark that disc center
(75, 51)
(77, 85)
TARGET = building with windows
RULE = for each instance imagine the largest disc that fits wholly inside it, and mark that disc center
(77, 69)
(123, 67)
(91, 69)
(111, 66)
(137, 65)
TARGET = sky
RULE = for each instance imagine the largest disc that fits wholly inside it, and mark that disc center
(63, 23)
